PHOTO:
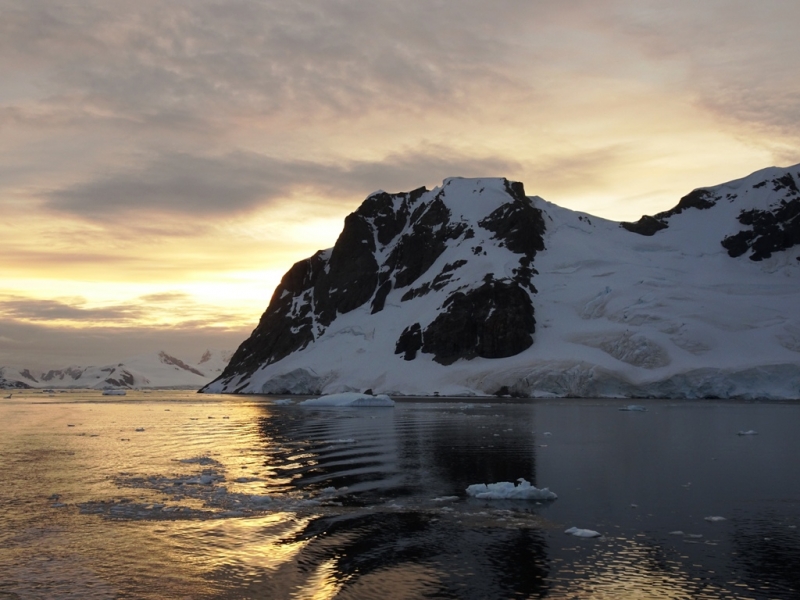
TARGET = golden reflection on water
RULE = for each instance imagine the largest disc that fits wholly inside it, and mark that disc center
(322, 584)
(625, 569)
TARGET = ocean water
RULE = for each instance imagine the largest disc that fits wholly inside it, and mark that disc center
(178, 495)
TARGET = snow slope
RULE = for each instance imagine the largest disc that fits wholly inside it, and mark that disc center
(700, 301)
(154, 370)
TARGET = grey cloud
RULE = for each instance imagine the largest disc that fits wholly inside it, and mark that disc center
(738, 57)
(56, 310)
(151, 60)
(168, 297)
(199, 185)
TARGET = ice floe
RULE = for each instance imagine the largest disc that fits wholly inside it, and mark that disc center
(715, 519)
(748, 432)
(350, 399)
(505, 490)
(584, 533)
(633, 408)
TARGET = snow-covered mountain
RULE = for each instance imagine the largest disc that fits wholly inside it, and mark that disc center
(154, 370)
(476, 288)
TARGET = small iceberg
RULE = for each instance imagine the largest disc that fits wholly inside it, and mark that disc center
(634, 408)
(505, 490)
(715, 519)
(350, 399)
(583, 533)
(748, 432)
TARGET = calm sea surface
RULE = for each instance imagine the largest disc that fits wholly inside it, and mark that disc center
(177, 495)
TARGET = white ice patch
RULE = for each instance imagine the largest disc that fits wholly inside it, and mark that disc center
(505, 490)
(633, 408)
(748, 432)
(715, 519)
(584, 533)
(350, 399)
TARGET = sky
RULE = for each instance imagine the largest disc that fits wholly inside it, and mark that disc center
(164, 163)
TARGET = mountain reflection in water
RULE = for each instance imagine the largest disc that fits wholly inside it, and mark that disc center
(172, 495)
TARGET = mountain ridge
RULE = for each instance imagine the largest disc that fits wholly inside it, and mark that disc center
(475, 288)
(153, 370)
(609, 343)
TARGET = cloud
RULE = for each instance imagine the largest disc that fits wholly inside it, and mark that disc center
(30, 309)
(199, 186)
(168, 310)
(151, 62)
(736, 58)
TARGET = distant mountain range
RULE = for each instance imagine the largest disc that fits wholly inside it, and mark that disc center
(154, 370)
(477, 288)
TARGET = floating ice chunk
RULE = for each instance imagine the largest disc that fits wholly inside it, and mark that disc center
(633, 408)
(445, 499)
(676, 532)
(350, 399)
(748, 432)
(715, 519)
(584, 533)
(505, 490)
(283, 402)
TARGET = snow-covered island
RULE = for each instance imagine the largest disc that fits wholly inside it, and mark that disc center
(154, 370)
(476, 288)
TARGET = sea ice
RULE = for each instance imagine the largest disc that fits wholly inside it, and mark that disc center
(505, 490)
(748, 432)
(715, 519)
(584, 533)
(634, 408)
(283, 402)
(350, 399)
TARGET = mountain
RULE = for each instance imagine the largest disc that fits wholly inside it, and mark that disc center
(475, 288)
(154, 370)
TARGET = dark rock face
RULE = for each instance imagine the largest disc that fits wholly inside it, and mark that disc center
(769, 231)
(495, 320)
(13, 384)
(176, 362)
(287, 324)
(519, 226)
(418, 249)
(647, 225)
(62, 374)
(700, 199)
(410, 342)
(26, 373)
